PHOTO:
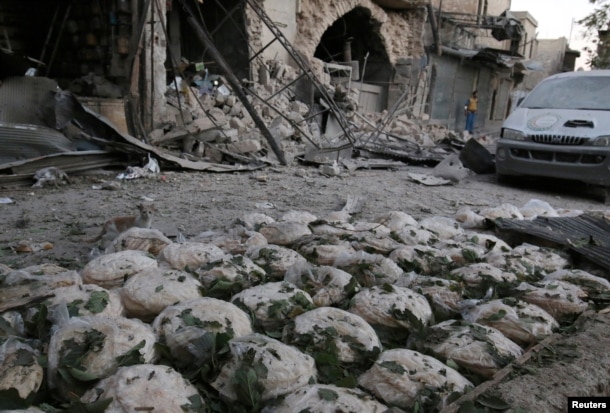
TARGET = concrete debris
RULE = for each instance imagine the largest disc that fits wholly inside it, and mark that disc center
(151, 169)
(428, 180)
(52, 175)
(451, 168)
(221, 118)
(207, 127)
(330, 170)
(477, 158)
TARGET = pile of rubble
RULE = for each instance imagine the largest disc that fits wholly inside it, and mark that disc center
(210, 127)
(211, 123)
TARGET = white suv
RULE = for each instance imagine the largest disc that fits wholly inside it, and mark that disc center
(560, 130)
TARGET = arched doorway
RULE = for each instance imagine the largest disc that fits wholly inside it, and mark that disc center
(356, 37)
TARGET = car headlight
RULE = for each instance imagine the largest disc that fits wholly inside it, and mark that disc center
(513, 134)
(601, 141)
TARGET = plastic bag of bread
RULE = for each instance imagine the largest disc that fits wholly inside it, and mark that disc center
(111, 270)
(274, 259)
(271, 305)
(143, 239)
(85, 349)
(326, 285)
(20, 369)
(261, 368)
(146, 387)
(338, 332)
(182, 326)
(148, 292)
(518, 320)
(327, 398)
(393, 311)
(190, 255)
(406, 378)
(480, 349)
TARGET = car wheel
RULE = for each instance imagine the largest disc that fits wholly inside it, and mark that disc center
(604, 192)
(505, 179)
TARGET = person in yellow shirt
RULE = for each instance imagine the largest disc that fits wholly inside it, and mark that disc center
(470, 110)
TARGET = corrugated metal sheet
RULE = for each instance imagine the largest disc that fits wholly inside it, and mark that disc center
(19, 141)
(587, 235)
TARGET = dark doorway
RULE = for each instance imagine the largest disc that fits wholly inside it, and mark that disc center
(362, 32)
(225, 21)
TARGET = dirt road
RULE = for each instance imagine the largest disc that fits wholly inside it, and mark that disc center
(190, 203)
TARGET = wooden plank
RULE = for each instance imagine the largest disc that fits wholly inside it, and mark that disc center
(499, 376)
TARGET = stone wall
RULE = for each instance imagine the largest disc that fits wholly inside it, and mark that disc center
(488, 7)
(401, 30)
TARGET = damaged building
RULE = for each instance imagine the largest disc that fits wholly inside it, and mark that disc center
(198, 82)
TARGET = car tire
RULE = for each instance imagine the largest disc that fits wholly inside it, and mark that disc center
(505, 179)
(604, 192)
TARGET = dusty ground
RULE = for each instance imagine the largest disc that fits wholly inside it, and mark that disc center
(190, 203)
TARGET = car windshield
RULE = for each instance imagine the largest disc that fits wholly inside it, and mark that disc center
(585, 92)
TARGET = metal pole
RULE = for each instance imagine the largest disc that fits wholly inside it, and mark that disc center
(61, 31)
(235, 85)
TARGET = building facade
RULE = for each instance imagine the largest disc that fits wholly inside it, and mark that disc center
(427, 55)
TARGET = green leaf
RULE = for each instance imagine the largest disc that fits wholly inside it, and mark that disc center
(328, 395)
(493, 402)
(24, 358)
(81, 375)
(468, 407)
(133, 356)
(498, 316)
(349, 382)
(453, 364)
(98, 301)
(99, 406)
(222, 289)
(74, 308)
(195, 404)
(470, 255)
(6, 329)
(278, 309)
(73, 352)
(190, 320)
(247, 387)
(393, 367)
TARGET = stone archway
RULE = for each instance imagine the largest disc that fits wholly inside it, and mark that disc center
(390, 37)
(355, 37)
(400, 31)
(318, 16)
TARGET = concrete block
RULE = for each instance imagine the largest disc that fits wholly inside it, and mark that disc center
(237, 123)
(330, 170)
(230, 135)
(231, 100)
(245, 146)
(220, 99)
(155, 135)
(451, 168)
(213, 154)
(202, 124)
(235, 110)
(299, 107)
